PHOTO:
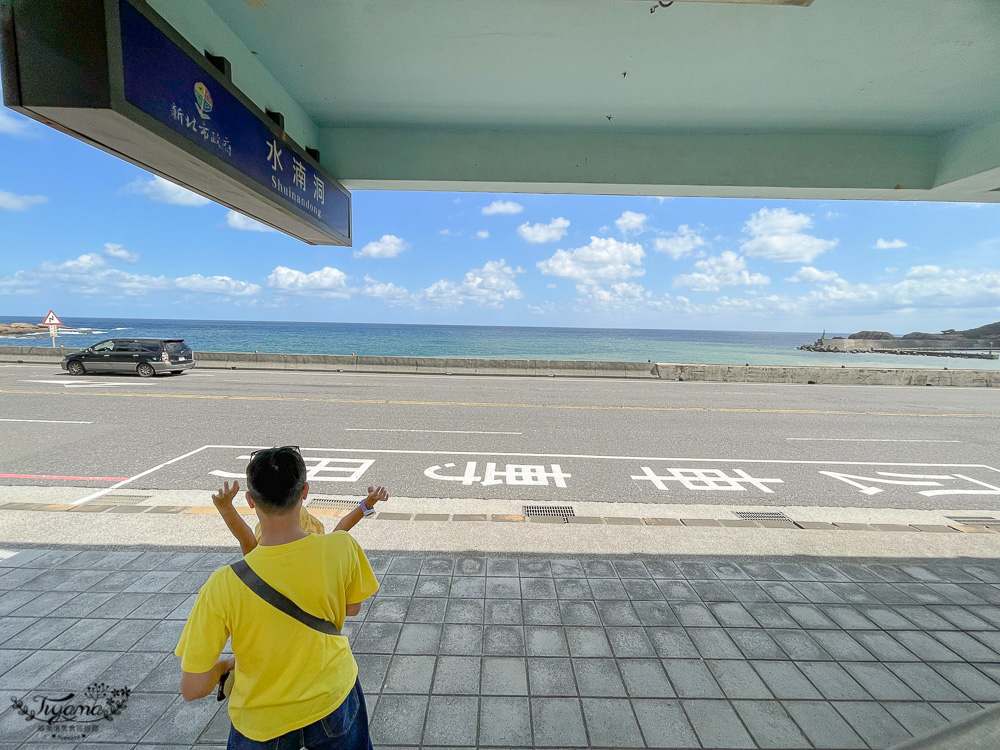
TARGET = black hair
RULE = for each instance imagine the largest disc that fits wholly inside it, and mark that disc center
(275, 478)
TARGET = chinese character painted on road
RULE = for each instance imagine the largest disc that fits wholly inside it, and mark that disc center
(319, 189)
(320, 469)
(705, 479)
(298, 174)
(915, 480)
(512, 474)
(274, 155)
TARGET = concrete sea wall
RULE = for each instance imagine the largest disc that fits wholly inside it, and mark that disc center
(560, 368)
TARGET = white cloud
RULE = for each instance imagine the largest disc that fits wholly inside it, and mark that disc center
(326, 282)
(503, 207)
(11, 124)
(389, 292)
(388, 246)
(631, 222)
(891, 269)
(623, 295)
(923, 272)
(727, 269)
(682, 242)
(490, 285)
(449, 233)
(159, 190)
(604, 259)
(539, 233)
(551, 286)
(223, 285)
(113, 250)
(14, 202)
(236, 220)
(82, 264)
(882, 244)
(809, 275)
(482, 234)
(776, 234)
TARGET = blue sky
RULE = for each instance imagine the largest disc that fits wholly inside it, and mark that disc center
(92, 236)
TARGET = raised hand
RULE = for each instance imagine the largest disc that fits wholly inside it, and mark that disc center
(224, 497)
(376, 494)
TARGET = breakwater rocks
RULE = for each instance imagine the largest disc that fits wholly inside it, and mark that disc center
(936, 347)
(21, 329)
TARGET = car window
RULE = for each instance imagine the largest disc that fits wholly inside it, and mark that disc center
(127, 346)
(104, 346)
(150, 346)
(176, 347)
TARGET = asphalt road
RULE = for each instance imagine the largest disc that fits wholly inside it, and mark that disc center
(511, 438)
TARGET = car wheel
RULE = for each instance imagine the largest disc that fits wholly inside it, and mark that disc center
(145, 370)
(76, 368)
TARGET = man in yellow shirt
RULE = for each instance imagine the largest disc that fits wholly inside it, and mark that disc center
(293, 686)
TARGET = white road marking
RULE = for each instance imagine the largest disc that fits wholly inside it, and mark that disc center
(870, 440)
(137, 476)
(448, 432)
(77, 383)
(46, 421)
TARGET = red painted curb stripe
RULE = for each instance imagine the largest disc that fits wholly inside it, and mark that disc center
(54, 476)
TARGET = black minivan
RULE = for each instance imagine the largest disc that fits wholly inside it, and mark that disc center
(148, 357)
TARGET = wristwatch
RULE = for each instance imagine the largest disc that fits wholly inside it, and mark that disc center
(365, 510)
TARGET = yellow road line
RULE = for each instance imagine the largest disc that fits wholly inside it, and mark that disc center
(494, 404)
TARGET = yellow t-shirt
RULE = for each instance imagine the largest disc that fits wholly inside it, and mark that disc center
(309, 523)
(287, 675)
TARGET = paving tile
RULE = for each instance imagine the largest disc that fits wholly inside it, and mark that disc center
(457, 675)
(424, 609)
(29, 671)
(537, 588)
(418, 638)
(733, 615)
(163, 636)
(182, 722)
(534, 568)
(770, 725)
(714, 643)
(619, 614)
(79, 635)
(691, 678)
(124, 635)
(584, 642)
(817, 593)
(437, 566)
(462, 639)
(503, 588)
(566, 569)
(468, 587)
(503, 612)
(799, 645)
(712, 591)
(671, 643)
(991, 614)
(880, 683)
(18, 577)
(599, 569)
(504, 722)
(41, 631)
(398, 719)
(660, 567)
(927, 683)
(883, 646)
(133, 668)
(503, 675)
(163, 677)
(785, 680)
(664, 724)
(541, 612)
(770, 615)
(885, 617)
(716, 724)
(388, 609)
(748, 591)
(504, 640)
(809, 616)
(611, 723)
(956, 711)
(727, 570)
(573, 588)
(654, 613)
(755, 643)
(824, 727)
(852, 593)
(690, 614)
(924, 645)
(630, 569)
(470, 566)
(376, 638)
(118, 605)
(966, 646)
(738, 680)
(186, 582)
(579, 613)
(961, 618)
(677, 591)
(545, 641)
(142, 712)
(372, 669)
(847, 617)
(645, 678)
(501, 566)
(397, 585)
(833, 681)
(924, 618)
(409, 674)
(916, 718)
(42, 604)
(598, 678)
(629, 642)
(157, 607)
(432, 585)
(642, 589)
(887, 593)
(782, 591)
(558, 722)
(958, 594)
(551, 676)
(874, 724)
(404, 565)
(49, 580)
(841, 646)
(83, 605)
(451, 721)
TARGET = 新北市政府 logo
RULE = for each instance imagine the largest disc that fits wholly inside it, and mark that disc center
(202, 100)
(73, 716)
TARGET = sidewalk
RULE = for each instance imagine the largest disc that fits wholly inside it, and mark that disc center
(543, 651)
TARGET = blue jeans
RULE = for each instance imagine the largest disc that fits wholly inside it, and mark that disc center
(346, 727)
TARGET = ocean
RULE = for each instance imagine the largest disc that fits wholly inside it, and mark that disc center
(500, 342)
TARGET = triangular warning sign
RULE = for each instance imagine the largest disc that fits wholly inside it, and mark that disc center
(51, 320)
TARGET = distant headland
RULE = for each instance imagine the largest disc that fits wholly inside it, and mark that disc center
(973, 343)
(21, 329)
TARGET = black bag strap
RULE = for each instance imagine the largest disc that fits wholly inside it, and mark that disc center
(279, 601)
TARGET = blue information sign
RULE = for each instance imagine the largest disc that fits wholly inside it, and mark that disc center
(163, 81)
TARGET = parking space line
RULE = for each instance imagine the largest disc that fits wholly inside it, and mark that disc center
(138, 476)
(446, 432)
(61, 477)
(46, 421)
(868, 440)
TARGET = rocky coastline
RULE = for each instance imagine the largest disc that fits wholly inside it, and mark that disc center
(975, 343)
(22, 329)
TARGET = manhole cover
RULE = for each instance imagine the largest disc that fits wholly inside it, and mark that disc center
(753, 515)
(119, 500)
(327, 503)
(561, 511)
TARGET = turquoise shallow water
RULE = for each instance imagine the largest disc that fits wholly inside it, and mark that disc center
(634, 345)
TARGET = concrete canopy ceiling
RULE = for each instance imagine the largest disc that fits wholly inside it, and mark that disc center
(843, 99)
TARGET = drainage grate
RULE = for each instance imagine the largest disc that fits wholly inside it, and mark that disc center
(973, 520)
(562, 511)
(322, 502)
(120, 499)
(753, 515)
